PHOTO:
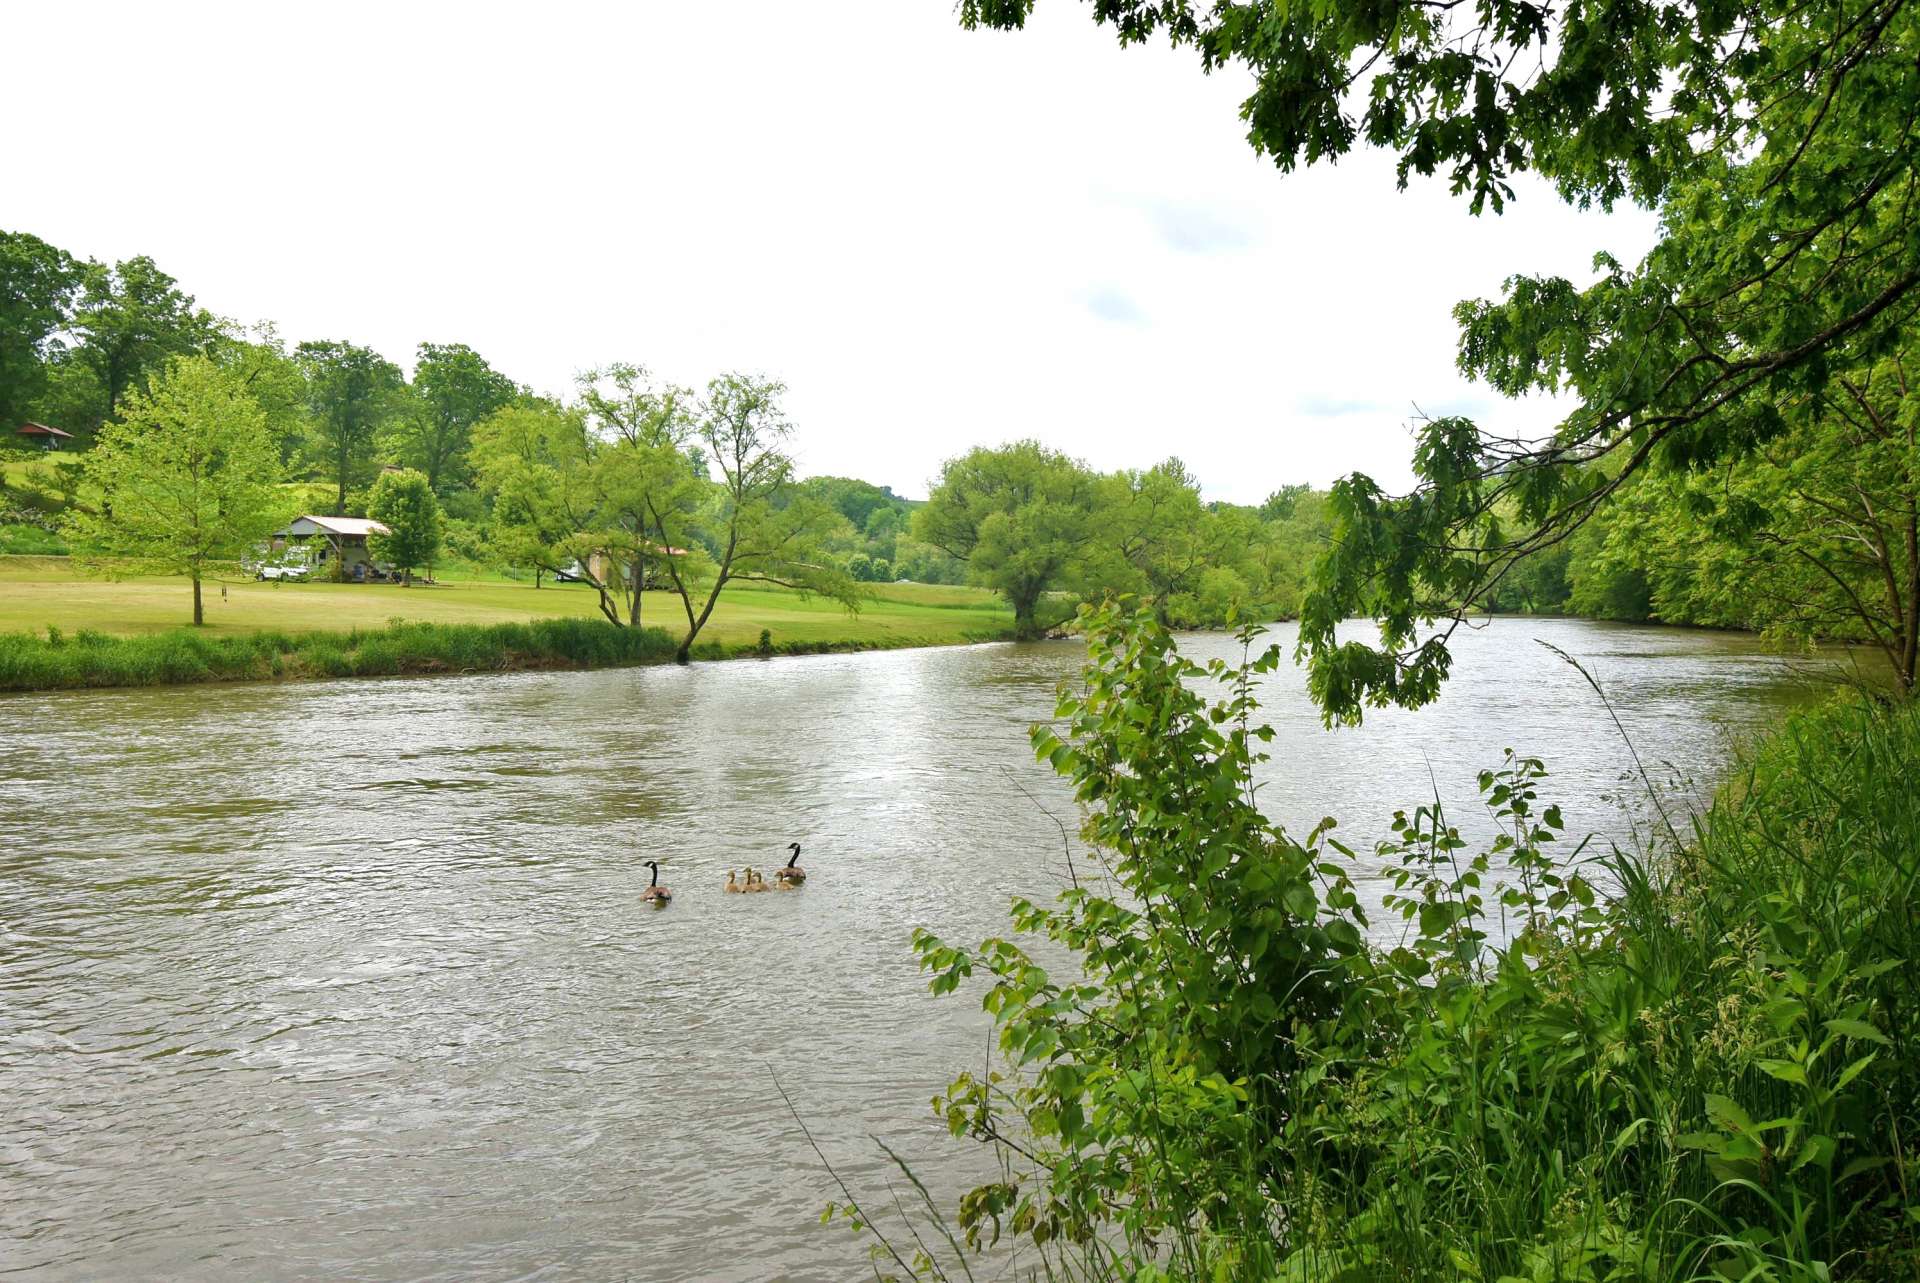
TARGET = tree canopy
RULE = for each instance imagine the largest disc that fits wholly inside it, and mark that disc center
(1777, 143)
(454, 388)
(354, 393)
(1020, 516)
(186, 478)
(38, 283)
(404, 503)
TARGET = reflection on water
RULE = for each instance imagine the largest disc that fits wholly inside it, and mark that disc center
(350, 980)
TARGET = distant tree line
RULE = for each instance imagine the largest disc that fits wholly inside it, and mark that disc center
(627, 483)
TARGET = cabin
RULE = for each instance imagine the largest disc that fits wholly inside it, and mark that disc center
(330, 542)
(43, 436)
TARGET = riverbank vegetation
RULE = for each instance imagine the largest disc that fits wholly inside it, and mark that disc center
(1697, 1061)
(57, 660)
(626, 480)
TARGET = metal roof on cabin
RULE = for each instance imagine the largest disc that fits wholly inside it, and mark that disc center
(41, 429)
(346, 525)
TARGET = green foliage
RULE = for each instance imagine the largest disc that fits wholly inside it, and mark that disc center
(38, 285)
(453, 389)
(186, 479)
(757, 527)
(1774, 141)
(1813, 535)
(354, 392)
(1020, 516)
(130, 320)
(1709, 1075)
(28, 662)
(404, 502)
(527, 459)
(277, 384)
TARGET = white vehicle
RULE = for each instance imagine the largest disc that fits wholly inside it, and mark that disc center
(282, 567)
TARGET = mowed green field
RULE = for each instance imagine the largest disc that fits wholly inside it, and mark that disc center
(36, 592)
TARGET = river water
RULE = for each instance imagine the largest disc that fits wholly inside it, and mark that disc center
(351, 980)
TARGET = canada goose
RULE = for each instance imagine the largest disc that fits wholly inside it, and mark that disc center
(655, 893)
(733, 887)
(791, 873)
(755, 882)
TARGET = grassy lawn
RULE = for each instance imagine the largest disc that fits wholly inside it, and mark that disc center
(38, 591)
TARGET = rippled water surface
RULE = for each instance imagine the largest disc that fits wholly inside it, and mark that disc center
(351, 980)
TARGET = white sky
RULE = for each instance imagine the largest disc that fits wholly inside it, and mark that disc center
(937, 238)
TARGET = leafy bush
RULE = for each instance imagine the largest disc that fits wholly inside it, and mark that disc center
(30, 539)
(1712, 1075)
(29, 662)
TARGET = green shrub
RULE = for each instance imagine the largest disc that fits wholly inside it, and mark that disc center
(1711, 1074)
(29, 662)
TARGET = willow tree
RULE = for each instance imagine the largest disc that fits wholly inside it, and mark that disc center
(186, 479)
(1775, 139)
(754, 525)
(1020, 516)
(636, 476)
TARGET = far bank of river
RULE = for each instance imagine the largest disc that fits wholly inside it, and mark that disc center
(85, 660)
(351, 979)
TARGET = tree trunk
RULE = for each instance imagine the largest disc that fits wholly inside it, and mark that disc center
(199, 616)
(639, 582)
(1024, 627)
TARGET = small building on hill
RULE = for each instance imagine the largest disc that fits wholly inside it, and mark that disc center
(43, 436)
(333, 541)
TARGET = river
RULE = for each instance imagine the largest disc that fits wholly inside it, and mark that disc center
(351, 980)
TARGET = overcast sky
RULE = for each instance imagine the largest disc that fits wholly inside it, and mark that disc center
(936, 238)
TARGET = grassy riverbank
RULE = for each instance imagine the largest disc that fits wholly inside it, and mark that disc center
(1699, 1063)
(59, 629)
(58, 661)
(41, 592)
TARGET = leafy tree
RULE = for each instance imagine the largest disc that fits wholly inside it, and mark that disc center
(1284, 502)
(187, 478)
(1020, 516)
(883, 529)
(1815, 534)
(757, 527)
(857, 501)
(274, 379)
(1774, 139)
(405, 504)
(130, 319)
(524, 458)
(353, 392)
(639, 478)
(1155, 524)
(923, 563)
(38, 285)
(454, 388)
(1601, 585)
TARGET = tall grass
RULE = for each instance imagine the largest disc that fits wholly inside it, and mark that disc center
(55, 661)
(1710, 1073)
